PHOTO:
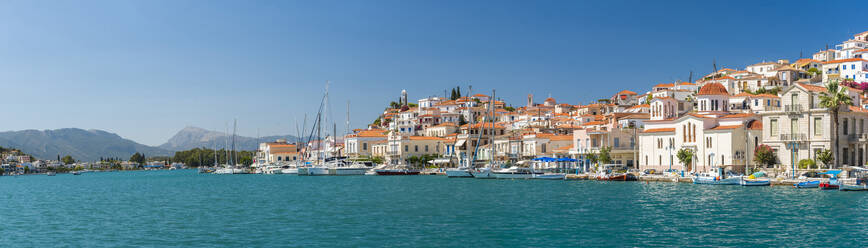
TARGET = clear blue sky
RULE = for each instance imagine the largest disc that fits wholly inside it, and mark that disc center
(146, 69)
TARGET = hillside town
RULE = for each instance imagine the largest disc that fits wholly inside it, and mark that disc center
(717, 121)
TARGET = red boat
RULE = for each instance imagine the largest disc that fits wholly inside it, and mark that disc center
(828, 186)
(397, 172)
(617, 177)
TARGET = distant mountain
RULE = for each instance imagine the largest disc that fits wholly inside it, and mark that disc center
(193, 137)
(84, 145)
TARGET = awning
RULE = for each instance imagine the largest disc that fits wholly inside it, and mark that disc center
(459, 143)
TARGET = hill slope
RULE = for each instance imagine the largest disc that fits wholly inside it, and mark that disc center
(85, 145)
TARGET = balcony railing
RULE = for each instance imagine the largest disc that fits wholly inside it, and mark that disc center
(793, 137)
(793, 108)
(773, 108)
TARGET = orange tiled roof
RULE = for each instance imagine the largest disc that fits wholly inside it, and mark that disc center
(844, 60)
(712, 89)
(626, 92)
(663, 85)
(814, 88)
(755, 125)
(726, 127)
(425, 138)
(767, 96)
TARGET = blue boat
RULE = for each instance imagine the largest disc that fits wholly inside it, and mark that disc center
(808, 184)
(755, 182)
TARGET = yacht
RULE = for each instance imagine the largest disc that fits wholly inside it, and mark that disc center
(482, 173)
(357, 168)
(514, 173)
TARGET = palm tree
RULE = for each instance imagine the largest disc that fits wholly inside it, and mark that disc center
(834, 97)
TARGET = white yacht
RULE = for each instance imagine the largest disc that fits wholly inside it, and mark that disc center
(483, 173)
(514, 173)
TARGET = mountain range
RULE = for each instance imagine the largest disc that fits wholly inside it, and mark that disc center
(193, 137)
(90, 145)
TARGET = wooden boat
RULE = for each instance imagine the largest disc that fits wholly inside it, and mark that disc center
(618, 177)
(715, 180)
(853, 187)
(808, 184)
(755, 182)
(397, 172)
(550, 176)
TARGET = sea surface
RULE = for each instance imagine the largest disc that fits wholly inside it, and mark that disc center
(186, 209)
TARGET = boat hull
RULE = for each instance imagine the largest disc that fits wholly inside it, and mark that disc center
(556, 176)
(501, 175)
(289, 171)
(348, 171)
(622, 177)
(313, 171)
(748, 182)
(482, 174)
(397, 172)
(806, 185)
(715, 181)
(457, 173)
(850, 187)
(828, 186)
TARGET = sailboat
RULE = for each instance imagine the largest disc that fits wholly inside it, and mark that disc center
(487, 171)
(318, 169)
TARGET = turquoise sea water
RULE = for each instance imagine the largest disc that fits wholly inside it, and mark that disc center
(185, 209)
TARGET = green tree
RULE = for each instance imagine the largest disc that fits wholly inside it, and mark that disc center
(814, 71)
(509, 108)
(461, 120)
(67, 160)
(394, 105)
(685, 156)
(807, 164)
(764, 155)
(377, 160)
(452, 96)
(138, 158)
(825, 156)
(458, 92)
(834, 97)
(604, 156)
(648, 98)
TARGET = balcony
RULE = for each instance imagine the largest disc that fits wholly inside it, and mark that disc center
(793, 137)
(793, 108)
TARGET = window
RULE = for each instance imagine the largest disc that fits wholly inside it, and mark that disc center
(406, 148)
(426, 148)
(365, 146)
(617, 142)
(818, 126)
(844, 124)
(659, 159)
(773, 127)
(278, 158)
(794, 126)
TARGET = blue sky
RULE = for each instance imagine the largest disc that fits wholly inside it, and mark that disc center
(146, 69)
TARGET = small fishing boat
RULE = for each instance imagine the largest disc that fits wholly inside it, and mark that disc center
(716, 179)
(755, 182)
(50, 173)
(859, 182)
(808, 184)
(833, 183)
(550, 176)
(852, 187)
(76, 173)
(617, 177)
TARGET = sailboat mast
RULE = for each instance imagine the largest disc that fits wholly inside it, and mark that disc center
(491, 131)
(234, 152)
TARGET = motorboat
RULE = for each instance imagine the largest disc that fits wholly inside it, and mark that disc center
(715, 180)
(514, 173)
(807, 184)
(50, 173)
(354, 169)
(550, 176)
(755, 182)
(859, 183)
(313, 171)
